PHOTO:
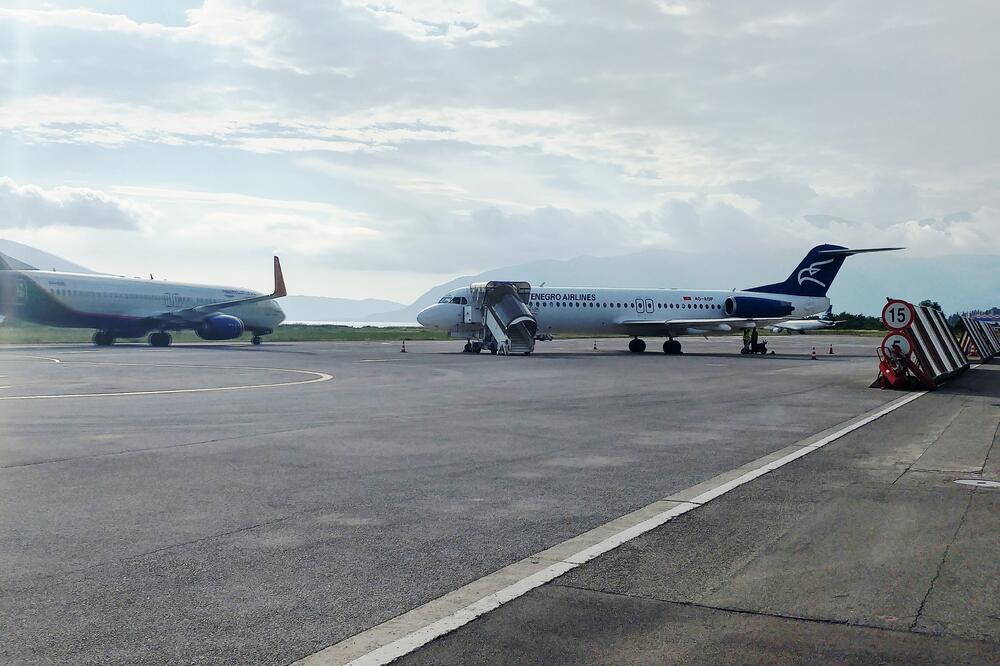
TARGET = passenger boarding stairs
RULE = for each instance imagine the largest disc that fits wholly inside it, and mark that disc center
(509, 327)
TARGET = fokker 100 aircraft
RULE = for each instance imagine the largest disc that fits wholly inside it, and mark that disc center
(472, 313)
(121, 307)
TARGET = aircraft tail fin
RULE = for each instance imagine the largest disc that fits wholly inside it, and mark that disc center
(12, 264)
(815, 273)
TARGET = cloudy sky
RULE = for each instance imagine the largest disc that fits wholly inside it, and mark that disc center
(383, 146)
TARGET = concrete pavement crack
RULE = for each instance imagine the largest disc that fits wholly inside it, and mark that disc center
(989, 452)
(758, 613)
(935, 441)
(940, 566)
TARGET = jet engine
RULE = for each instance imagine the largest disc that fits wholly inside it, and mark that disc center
(220, 327)
(751, 307)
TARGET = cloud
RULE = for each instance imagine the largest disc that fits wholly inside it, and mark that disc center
(476, 22)
(776, 195)
(227, 24)
(586, 127)
(30, 206)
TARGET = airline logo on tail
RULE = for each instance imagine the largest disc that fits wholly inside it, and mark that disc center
(812, 269)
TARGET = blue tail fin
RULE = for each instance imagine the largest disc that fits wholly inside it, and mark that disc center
(816, 272)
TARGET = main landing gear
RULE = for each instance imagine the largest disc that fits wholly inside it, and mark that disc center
(671, 346)
(103, 338)
(160, 339)
(256, 340)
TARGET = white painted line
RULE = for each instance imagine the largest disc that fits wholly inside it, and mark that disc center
(393, 639)
(39, 358)
(381, 360)
(317, 377)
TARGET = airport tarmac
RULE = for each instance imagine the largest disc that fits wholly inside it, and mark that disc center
(238, 504)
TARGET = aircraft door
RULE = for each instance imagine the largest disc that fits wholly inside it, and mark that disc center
(649, 306)
(20, 292)
(640, 306)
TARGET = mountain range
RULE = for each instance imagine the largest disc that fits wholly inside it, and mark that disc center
(958, 282)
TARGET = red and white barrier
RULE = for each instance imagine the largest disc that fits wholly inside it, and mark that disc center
(979, 338)
(919, 351)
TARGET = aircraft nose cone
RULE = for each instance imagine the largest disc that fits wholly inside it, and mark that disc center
(424, 318)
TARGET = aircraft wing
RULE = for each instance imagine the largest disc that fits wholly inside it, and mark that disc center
(198, 312)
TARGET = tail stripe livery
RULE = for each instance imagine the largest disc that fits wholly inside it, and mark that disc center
(12, 264)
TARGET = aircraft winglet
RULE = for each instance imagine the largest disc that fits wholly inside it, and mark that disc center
(279, 280)
(279, 291)
(846, 252)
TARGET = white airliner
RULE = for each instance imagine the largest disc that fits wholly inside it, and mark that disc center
(815, 323)
(471, 313)
(121, 307)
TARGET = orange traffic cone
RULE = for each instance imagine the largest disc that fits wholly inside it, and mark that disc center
(402, 350)
(831, 349)
(814, 354)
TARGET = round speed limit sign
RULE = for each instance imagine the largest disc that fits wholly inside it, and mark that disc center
(890, 342)
(897, 315)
